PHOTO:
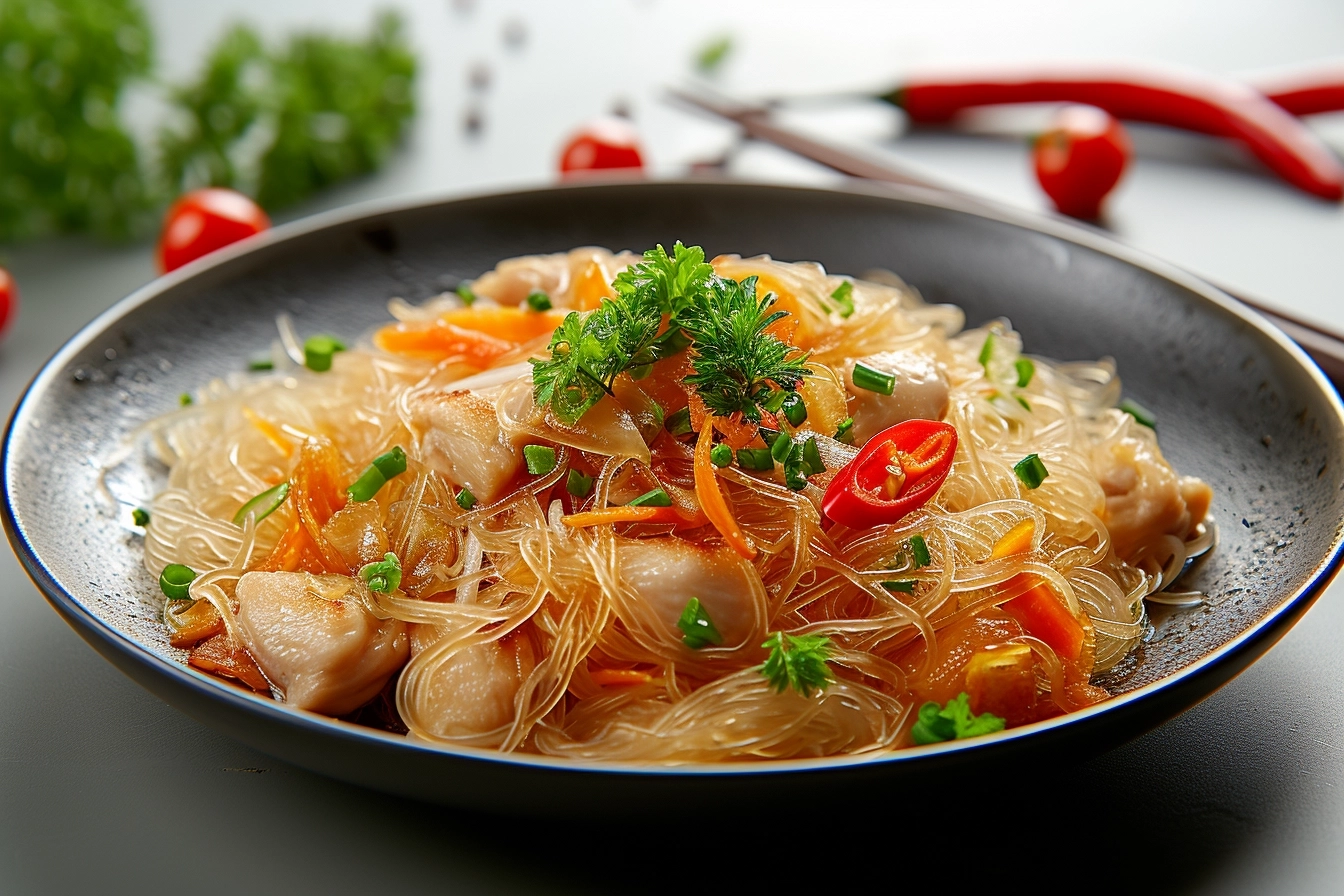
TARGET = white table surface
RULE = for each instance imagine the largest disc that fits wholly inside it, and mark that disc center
(105, 789)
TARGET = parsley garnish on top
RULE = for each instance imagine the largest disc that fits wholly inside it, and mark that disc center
(663, 304)
(953, 722)
(798, 662)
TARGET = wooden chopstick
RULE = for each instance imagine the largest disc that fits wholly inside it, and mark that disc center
(1325, 346)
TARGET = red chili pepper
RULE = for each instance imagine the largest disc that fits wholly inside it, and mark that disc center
(1309, 92)
(897, 472)
(1178, 99)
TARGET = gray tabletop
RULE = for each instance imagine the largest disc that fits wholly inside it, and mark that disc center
(103, 788)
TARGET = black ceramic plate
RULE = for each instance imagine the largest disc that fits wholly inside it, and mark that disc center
(1238, 405)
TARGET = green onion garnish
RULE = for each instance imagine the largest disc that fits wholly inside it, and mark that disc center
(775, 400)
(465, 294)
(906, 587)
(987, 351)
(755, 459)
(812, 457)
(873, 380)
(697, 629)
(1031, 471)
(466, 500)
(795, 476)
(185, 399)
(919, 549)
(264, 504)
(539, 301)
(795, 409)
(1026, 369)
(578, 485)
(261, 364)
(140, 516)
(844, 298)
(175, 581)
(721, 455)
(376, 475)
(317, 352)
(1141, 415)
(540, 459)
(1022, 401)
(652, 498)
(780, 447)
(384, 576)
(843, 431)
(678, 423)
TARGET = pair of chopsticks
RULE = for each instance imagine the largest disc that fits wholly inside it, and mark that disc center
(1324, 346)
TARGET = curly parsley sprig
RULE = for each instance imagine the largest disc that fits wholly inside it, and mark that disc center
(798, 662)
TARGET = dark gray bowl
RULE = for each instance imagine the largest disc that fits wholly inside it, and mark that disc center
(1238, 405)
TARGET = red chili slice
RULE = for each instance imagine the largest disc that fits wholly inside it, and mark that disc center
(897, 472)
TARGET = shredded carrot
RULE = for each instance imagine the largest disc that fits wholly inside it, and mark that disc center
(712, 499)
(273, 433)
(1042, 614)
(1016, 541)
(619, 677)
(641, 513)
(477, 335)
(591, 287)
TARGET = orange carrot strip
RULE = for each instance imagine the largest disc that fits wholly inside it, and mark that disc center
(641, 513)
(1016, 540)
(1041, 613)
(272, 432)
(591, 287)
(711, 496)
(619, 677)
(478, 335)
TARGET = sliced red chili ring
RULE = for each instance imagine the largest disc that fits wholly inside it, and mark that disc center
(896, 472)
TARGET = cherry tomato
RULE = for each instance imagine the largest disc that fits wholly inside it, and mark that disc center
(604, 143)
(9, 300)
(1080, 159)
(202, 221)
(898, 471)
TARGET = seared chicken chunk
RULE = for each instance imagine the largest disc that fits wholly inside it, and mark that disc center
(1145, 499)
(316, 641)
(473, 691)
(920, 393)
(462, 440)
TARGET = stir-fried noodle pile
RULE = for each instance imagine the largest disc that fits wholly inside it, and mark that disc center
(624, 583)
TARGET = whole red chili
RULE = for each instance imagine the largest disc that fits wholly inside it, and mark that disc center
(1080, 159)
(1180, 99)
(1308, 92)
(898, 471)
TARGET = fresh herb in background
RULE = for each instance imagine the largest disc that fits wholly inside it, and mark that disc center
(711, 55)
(281, 125)
(66, 164)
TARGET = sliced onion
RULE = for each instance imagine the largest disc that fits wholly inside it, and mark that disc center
(605, 429)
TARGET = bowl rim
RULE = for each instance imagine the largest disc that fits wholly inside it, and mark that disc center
(91, 626)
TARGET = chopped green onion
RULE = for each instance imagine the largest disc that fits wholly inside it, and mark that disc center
(906, 587)
(1022, 401)
(697, 629)
(775, 401)
(652, 498)
(1031, 471)
(678, 423)
(539, 301)
(919, 550)
(721, 455)
(1141, 415)
(812, 457)
(261, 364)
(185, 399)
(780, 448)
(843, 431)
(264, 504)
(466, 500)
(795, 476)
(795, 409)
(140, 516)
(465, 294)
(578, 485)
(755, 459)
(873, 380)
(1026, 369)
(318, 350)
(383, 576)
(987, 351)
(175, 581)
(844, 298)
(540, 459)
(375, 476)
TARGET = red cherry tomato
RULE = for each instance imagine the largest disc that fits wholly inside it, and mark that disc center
(604, 143)
(9, 300)
(1080, 159)
(202, 221)
(898, 471)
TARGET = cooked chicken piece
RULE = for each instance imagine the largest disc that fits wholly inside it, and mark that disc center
(666, 572)
(316, 641)
(473, 691)
(1144, 498)
(559, 275)
(463, 441)
(920, 393)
